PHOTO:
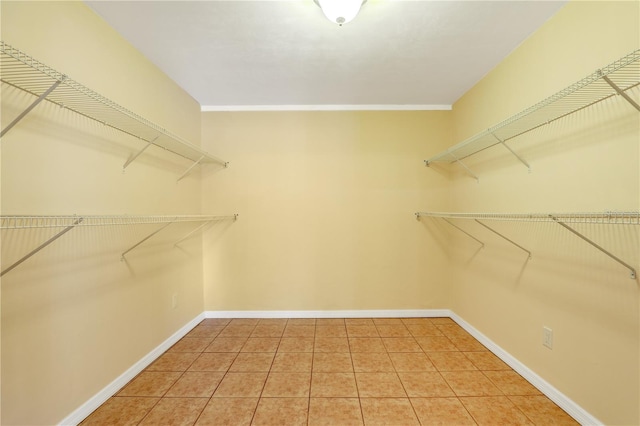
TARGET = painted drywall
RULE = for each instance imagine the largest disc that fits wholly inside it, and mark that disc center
(326, 204)
(586, 162)
(74, 317)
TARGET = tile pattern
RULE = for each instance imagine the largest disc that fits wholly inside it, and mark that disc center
(353, 371)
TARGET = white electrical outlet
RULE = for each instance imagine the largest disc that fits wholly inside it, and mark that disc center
(547, 337)
(174, 301)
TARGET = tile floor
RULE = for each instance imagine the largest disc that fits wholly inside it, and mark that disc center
(379, 371)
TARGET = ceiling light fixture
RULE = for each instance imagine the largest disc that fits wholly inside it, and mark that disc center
(340, 11)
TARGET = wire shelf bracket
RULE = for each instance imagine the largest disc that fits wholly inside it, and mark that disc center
(67, 223)
(562, 219)
(23, 72)
(615, 79)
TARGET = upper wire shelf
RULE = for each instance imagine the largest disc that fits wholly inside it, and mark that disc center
(614, 79)
(26, 73)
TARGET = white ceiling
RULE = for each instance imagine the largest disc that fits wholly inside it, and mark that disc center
(260, 54)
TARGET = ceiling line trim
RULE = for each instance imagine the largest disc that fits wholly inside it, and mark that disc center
(230, 108)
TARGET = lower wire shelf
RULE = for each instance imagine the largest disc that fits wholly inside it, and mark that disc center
(562, 219)
(68, 222)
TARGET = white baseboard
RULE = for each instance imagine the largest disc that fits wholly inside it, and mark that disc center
(408, 313)
(107, 392)
(564, 402)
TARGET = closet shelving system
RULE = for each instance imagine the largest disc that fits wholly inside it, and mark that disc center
(43, 82)
(67, 223)
(617, 78)
(23, 72)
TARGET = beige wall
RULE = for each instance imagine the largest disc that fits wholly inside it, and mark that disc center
(326, 203)
(587, 162)
(74, 317)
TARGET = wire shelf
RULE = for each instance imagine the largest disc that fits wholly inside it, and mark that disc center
(606, 218)
(26, 73)
(616, 78)
(32, 222)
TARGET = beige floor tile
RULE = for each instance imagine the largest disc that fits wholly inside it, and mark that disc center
(244, 321)
(330, 321)
(366, 344)
(393, 330)
(228, 412)
(213, 361)
(273, 321)
(441, 412)
(237, 330)
(379, 385)
(209, 331)
(294, 344)
(198, 384)
(281, 412)
(470, 383)
(332, 385)
(372, 362)
(401, 344)
(226, 344)
(436, 344)
(331, 344)
(175, 412)
(335, 411)
(542, 411)
(442, 321)
(332, 362)
(358, 321)
(511, 383)
(416, 321)
(388, 411)
(426, 384)
(215, 322)
(362, 331)
(387, 321)
(308, 331)
(453, 330)
(191, 344)
(486, 361)
(287, 385)
(121, 411)
(450, 361)
(423, 330)
(494, 410)
(467, 344)
(331, 331)
(268, 330)
(173, 361)
(261, 344)
(241, 385)
(252, 362)
(150, 383)
(411, 361)
(301, 321)
(292, 362)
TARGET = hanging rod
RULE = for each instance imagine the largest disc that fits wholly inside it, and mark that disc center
(615, 79)
(70, 222)
(562, 219)
(26, 73)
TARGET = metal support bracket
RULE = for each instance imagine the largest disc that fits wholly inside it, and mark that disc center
(617, 259)
(499, 234)
(512, 151)
(30, 107)
(189, 169)
(143, 240)
(620, 91)
(465, 167)
(462, 230)
(132, 159)
(43, 245)
(191, 233)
